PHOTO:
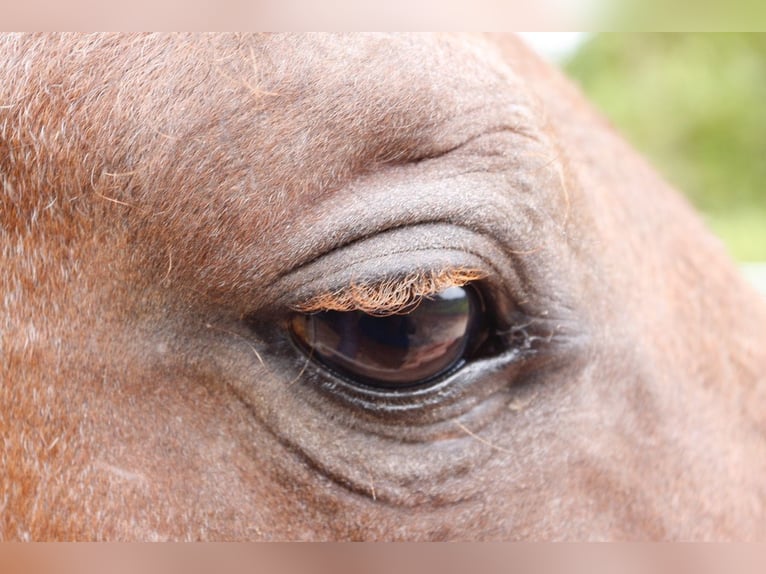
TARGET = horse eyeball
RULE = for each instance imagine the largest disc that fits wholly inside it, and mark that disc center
(395, 351)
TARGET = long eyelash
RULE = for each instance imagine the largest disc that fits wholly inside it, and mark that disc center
(392, 296)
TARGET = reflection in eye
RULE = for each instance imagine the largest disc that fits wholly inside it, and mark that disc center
(395, 351)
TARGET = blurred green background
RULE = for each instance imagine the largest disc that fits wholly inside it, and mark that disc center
(695, 105)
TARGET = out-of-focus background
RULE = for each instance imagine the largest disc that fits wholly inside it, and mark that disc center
(695, 105)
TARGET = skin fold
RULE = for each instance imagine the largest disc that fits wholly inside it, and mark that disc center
(167, 202)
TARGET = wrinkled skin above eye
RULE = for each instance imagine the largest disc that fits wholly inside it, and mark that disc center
(396, 350)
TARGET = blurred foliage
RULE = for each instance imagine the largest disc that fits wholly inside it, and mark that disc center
(695, 104)
(679, 15)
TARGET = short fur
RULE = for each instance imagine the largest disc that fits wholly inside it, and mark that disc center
(159, 196)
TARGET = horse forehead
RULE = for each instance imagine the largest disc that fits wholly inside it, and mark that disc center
(377, 95)
(289, 119)
(347, 103)
(422, 70)
(216, 140)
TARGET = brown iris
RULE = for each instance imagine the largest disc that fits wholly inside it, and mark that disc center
(399, 350)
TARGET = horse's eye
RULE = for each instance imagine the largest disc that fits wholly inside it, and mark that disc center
(396, 351)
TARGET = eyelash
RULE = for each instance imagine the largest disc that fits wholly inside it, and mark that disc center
(393, 296)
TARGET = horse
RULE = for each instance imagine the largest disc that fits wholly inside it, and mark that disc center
(356, 287)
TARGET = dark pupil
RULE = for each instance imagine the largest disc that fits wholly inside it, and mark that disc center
(394, 351)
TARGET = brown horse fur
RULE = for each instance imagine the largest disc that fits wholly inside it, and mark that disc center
(166, 200)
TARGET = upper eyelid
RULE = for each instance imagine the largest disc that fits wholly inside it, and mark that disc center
(389, 257)
(390, 296)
